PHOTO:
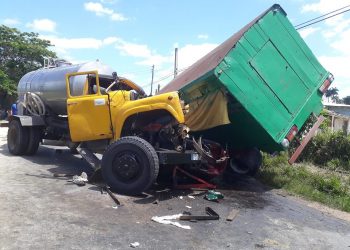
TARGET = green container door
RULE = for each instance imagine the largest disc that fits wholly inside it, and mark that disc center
(280, 78)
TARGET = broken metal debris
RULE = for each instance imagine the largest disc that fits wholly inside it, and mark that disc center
(201, 183)
(212, 195)
(167, 220)
(114, 198)
(211, 215)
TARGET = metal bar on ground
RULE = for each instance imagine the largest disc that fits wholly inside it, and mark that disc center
(306, 140)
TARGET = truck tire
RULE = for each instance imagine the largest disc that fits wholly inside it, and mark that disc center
(248, 163)
(17, 138)
(130, 165)
(34, 140)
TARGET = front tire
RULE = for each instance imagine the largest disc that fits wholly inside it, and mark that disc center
(130, 165)
(17, 138)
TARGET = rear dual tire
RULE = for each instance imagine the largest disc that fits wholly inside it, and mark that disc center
(22, 140)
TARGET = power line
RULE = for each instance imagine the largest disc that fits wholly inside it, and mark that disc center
(321, 16)
(162, 78)
(306, 25)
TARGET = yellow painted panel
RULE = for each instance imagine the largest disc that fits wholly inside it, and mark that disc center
(89, 118)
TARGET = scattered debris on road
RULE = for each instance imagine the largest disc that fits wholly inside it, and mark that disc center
(167, 220)
(211, 215)
(80, 180)
(134, 244)
(232, 215)
(212, 195)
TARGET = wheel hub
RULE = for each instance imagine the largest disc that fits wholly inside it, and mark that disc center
(126, 167)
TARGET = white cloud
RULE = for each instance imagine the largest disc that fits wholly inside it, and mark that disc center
(341, 44)
(42, 25)
(117, 17)
(191, 53)
(11, 21)
(100, 10)
(203, 36)
(133, 49)
(74, 43)
(141, 51)
(110, 40)
(325, 6)
(307, 31)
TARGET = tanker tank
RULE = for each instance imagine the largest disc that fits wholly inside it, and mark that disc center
(50, 84)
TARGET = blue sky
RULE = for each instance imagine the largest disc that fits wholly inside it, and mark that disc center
(132, 35)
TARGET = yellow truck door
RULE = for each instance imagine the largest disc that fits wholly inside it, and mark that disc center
(88, 112)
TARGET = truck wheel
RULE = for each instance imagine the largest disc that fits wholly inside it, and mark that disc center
(130, 165)
(248, 163)
(17, 138)
(34, 140)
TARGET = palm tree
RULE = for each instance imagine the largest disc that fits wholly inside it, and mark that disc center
(332, 92)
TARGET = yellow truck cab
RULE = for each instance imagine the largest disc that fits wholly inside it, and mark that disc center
(106, 114)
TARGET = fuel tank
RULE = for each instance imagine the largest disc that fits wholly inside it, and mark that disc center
(50, 83)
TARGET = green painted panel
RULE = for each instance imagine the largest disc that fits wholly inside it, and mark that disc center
(280, 77)
(293, 48)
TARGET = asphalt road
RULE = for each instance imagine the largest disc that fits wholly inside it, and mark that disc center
(39, 211)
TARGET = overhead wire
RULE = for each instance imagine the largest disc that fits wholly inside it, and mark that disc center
(307, 23)
(321, 16)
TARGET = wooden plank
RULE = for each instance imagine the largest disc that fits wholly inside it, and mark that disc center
(232, 215)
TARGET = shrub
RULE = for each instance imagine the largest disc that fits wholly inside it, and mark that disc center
(328, 149)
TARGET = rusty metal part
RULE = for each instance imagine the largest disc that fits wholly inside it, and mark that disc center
(306, 140)
(114, 198)
(206, 155)
(211, 215)
(202, 183)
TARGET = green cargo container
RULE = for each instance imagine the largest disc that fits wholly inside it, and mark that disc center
(268, 78)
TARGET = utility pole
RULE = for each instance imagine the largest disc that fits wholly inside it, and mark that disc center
(152, 79)
(175, 64)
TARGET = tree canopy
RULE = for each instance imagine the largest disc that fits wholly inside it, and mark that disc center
(20, 53)
(346, 100)
(333, 94)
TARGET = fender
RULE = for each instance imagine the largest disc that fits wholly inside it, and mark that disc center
(168, 101)
(28, 121)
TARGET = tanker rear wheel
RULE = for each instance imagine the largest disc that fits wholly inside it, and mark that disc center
(17, 138)
(34, 140)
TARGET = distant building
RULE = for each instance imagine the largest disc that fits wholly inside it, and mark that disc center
(340, 116)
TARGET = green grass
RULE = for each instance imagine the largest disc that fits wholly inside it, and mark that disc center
(325, 187)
